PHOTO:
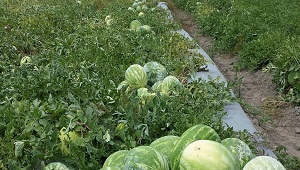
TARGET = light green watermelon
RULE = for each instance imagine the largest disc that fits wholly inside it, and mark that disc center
(116, 159)
(165, 144)
(155, 72)
(197, 132)
(169, 84)
(156, 86)
(208, 155)
(145, 158)
(136, 76)
(135, 25)
(56, 166)
(240, 149)
(264, 163)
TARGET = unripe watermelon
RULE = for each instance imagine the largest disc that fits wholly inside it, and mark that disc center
(197, 132)
(116, 159)
(165, 144)
(136, 76)
(145, 158)
(240, 149)
(264, 163)
(208, 155)
(169, 84)
(155, 71)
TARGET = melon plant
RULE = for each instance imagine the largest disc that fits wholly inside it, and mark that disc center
(208, 155)
(145, 158)
(116, 159)
(155, 72)
(56, 166)
(165, 144)
(264, 163)
(240, 149)
(197, 132)
(169, 84)
(136, 76)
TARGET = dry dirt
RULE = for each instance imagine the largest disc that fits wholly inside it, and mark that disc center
(278, 122)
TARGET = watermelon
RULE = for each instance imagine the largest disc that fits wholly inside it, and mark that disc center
(112, 168)
(145, 158)
(116, 159)
(169, 84)
(208, 155)
(56, 166)
(165, 144)
(136, 76)
(240, 149)
(197, 132)
(155, 71)
(264, 163)
(135, 25)
(156, 86)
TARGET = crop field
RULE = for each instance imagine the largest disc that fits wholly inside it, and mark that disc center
(83, 81)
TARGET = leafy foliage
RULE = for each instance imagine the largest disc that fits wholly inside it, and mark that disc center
(76, 59)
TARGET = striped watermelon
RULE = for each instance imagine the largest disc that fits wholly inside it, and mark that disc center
(116, 159)
(155, 72)
(264, 163)
(156, 86)
(240, 149)
(145, 158)
(165, 144)
(197, 132)
(136, 76)
(208, 155)
(169, 84)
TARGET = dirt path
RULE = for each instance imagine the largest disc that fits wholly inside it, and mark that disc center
(278, 121)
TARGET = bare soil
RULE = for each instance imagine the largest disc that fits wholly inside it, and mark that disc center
(277, 121)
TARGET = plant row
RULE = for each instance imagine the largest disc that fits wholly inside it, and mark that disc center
(263, 34)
